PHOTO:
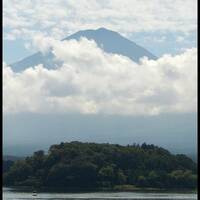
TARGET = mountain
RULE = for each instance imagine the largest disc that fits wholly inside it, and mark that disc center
(110, 41)
(12, 158)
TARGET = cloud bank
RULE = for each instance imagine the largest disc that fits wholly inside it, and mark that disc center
(25, 18)
(91, 81)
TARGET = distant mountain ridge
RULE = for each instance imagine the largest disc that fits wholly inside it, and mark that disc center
(109, 41)
(12, 158)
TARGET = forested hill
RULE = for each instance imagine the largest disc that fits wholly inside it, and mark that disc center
(91, 165)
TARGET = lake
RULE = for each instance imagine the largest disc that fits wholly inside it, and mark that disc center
(9, 194)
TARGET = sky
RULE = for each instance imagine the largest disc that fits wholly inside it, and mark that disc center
(91, 82)
(161, 26)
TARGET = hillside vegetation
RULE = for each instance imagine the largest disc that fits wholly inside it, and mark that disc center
(91, 165)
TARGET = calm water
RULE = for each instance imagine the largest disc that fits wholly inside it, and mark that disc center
(13, 194)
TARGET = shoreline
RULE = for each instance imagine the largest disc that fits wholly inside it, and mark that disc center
(123, 188)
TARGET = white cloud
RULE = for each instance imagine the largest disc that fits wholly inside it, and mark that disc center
(62, 17)
(92, 81)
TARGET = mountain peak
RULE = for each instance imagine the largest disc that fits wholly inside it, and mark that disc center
(110, 41)
(102, 29)
(113, 42)
(92, 33)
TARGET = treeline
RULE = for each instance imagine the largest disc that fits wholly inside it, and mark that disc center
(91, 165)
(7, 165)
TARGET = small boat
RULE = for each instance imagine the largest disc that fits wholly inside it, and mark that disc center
(34, 193)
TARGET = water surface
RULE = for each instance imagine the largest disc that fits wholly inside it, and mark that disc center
(9, 194)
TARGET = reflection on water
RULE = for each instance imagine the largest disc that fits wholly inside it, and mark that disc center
(9, 194)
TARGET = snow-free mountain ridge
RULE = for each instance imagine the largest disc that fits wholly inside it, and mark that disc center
(109, 41)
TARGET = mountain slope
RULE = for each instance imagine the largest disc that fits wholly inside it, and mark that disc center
(113, 42)
(110, 41)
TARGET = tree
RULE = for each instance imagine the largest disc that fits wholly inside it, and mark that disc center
(106, 175)
(142, 181)
(121, 178)
(92, 165)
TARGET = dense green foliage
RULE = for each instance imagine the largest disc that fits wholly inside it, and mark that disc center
(91, 165)
(7, 165)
